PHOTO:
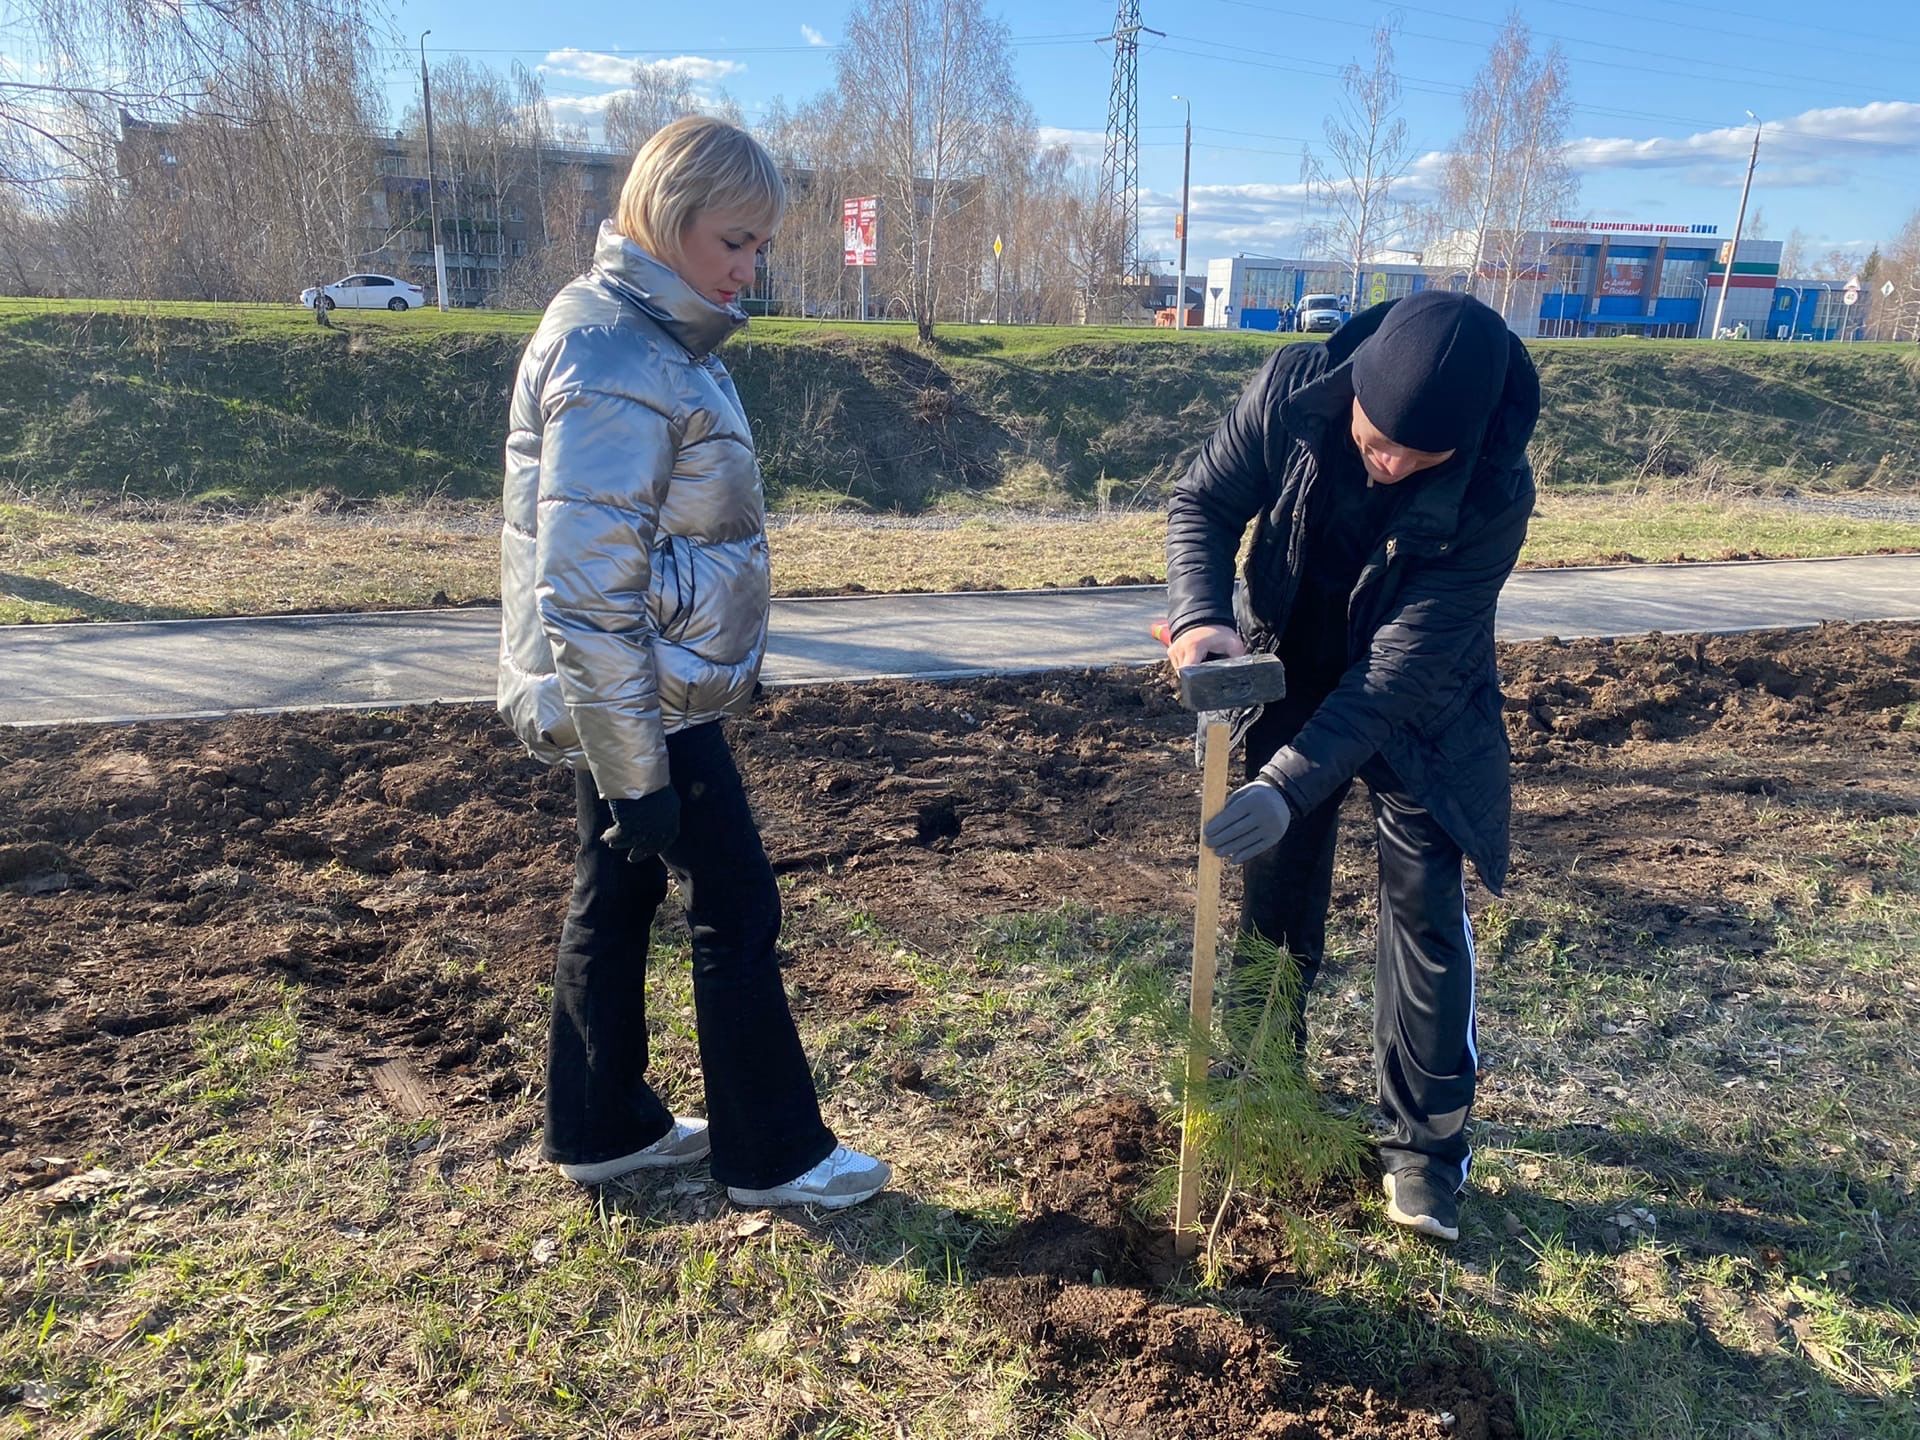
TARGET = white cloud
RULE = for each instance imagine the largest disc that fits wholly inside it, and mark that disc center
(1258, 219)
(604, 69)
(1088, 146)
(582, 109)
(1889, 126)
(812, 36)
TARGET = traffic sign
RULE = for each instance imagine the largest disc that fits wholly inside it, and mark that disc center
(1850, 297)
(1887, 290)
(997, 247)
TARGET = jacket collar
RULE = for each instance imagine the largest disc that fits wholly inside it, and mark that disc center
(1320, 408)
(696, 322)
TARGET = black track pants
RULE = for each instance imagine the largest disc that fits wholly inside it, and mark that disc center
(1424, 1047)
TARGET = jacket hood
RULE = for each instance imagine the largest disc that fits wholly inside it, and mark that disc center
(689, 317)
(1327, 398)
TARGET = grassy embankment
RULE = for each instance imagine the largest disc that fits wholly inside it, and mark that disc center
(107, 411)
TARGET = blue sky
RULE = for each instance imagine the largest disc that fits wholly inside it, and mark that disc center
(1662, 92)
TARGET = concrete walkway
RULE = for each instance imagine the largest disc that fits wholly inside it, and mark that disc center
(183, 668)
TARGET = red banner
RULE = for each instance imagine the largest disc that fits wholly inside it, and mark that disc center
(1623, 277)
(860, 226)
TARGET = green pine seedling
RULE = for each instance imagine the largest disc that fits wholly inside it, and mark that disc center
(1259, 1126)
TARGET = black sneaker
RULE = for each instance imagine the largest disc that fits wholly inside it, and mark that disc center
(1419, 1202)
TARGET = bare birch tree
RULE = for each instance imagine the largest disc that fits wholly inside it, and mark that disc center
(1539, 185)
(71, 62)
(1507, 174)
(925, 85)
(658, 93)
(1897, 316)
(1793, 253)
(806, 266)
(1368, 153)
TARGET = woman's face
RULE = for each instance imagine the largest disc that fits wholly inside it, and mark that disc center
(717, 251)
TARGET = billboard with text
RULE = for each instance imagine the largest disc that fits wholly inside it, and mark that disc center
(860, 223)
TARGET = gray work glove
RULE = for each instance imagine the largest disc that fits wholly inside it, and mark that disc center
(644, 827)
(1253, 821)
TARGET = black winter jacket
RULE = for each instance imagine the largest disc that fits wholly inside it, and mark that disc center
(1420, 688)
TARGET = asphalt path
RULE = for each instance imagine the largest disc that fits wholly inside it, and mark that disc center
(173, 669)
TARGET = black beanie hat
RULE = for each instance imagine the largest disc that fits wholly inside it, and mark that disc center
(1430, 376)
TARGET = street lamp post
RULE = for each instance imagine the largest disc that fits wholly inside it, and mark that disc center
(1733, 248)
(433, 205)
(1701, 281)
(1186, 178)
(1799, 300)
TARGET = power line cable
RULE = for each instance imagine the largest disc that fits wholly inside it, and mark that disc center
(1692, 73)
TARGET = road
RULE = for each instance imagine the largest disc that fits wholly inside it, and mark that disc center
(187, 668)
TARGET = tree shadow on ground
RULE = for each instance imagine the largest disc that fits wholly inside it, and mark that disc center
(91, 607)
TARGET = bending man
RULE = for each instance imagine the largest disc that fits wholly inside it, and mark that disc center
(1385, 473)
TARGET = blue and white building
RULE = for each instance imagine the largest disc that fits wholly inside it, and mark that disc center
(1577, 279)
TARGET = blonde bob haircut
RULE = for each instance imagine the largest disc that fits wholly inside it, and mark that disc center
(694, 164)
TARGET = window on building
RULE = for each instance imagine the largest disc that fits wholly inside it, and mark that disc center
(1398, 287)
(1267, 289)
(519, 248)
(1683, 279)
(1572, 273)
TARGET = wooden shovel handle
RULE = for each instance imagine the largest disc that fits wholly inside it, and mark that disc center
(1206, 939)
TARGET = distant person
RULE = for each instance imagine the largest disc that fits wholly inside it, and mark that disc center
(633, 582)
(1386, 477)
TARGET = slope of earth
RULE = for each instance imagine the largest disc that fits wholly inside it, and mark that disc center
(233, 404)
(271, 1030)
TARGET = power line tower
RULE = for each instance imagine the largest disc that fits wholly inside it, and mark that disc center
(1120, 167)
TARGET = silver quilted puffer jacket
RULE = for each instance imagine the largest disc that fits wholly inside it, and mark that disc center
(633, 560)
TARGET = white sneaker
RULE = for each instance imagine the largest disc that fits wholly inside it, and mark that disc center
(685, 1144)
(846, 1177)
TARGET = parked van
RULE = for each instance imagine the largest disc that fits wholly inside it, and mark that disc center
(1320, 314)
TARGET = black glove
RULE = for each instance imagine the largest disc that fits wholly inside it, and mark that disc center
(643, 828)
(1253, 821)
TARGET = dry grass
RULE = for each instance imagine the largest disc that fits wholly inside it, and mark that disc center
(71, 565)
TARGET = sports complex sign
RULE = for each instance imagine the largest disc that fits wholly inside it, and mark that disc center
(1631, 227)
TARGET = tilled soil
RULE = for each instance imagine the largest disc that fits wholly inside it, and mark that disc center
(1075, 1280)
(408, 870)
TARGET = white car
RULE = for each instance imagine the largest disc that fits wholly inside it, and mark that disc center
(365, 292)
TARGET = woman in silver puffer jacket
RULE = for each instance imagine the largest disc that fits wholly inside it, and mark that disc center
(633, 586)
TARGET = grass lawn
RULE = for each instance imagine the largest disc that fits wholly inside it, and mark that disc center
(1692, 1212)
(67, 565)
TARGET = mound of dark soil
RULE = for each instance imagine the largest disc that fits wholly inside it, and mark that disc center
(1076, 1280)
(1669, 687)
